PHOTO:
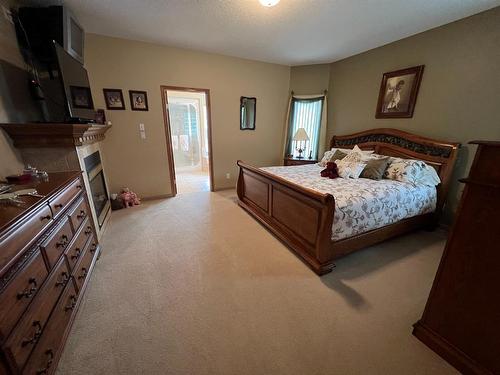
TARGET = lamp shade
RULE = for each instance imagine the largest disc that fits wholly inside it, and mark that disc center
(300, 135)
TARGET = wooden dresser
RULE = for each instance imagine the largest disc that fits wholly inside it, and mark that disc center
(461, 321)
(48, 247)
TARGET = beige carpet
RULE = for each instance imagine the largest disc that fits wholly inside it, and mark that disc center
(193, 285)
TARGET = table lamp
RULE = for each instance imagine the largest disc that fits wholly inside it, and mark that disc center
(300, 136)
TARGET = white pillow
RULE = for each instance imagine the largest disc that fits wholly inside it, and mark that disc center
(429, 176)
(413, 171)
(364, 152)
(326, 157)
(350, 169)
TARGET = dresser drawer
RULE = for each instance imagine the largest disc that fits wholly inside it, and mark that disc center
(30, 328)
(20, 238)
(75, 250)
(82, 269)
(55, 245)
(43, 359)
(18, 294)
(78, 214)
(61, 201)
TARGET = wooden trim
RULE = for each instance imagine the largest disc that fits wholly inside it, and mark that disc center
(156, 197)
(54, 134)
(302, 218)
(166, 119)
(460, 360)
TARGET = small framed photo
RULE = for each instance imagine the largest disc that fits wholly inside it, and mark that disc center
(398, 93)
(138, 100)
(114, 99)
(81, 97)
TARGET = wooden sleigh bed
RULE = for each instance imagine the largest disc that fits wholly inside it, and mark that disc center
(302, 218)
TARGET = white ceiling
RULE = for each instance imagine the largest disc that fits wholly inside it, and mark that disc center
(294, 32)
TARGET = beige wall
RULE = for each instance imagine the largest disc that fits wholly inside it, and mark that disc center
(10, 160)
(309, 79)
(459, 98)
(142, 164)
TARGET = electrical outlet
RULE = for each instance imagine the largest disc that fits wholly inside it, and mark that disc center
(7, 14)
(228, 176)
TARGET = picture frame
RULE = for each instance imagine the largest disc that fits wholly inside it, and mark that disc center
(81, 97)
(114, 99)
(138, 100)
(398, 92)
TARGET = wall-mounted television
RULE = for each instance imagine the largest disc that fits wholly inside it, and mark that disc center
(63, 88)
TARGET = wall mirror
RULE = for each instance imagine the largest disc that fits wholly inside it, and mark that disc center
(247, 113)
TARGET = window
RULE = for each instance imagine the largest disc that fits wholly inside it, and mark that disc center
(305, 113)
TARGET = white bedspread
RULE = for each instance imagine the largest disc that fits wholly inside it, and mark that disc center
(362, 204)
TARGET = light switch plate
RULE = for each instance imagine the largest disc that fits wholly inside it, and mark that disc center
(141, 127)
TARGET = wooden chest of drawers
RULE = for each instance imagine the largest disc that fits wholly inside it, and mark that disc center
(48, 248)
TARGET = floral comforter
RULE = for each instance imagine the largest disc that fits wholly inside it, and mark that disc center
(362, 204)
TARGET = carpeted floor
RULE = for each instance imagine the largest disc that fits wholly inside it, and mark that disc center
(193, 285)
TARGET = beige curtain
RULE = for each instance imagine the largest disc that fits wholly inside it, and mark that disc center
(322, 132)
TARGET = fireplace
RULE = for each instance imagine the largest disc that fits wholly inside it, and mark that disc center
(98, 190)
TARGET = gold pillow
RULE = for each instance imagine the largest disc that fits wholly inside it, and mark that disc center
(375, 168)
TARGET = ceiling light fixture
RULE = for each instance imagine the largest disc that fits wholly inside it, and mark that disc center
(269, 3)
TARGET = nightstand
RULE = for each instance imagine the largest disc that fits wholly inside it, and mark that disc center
(295, 161)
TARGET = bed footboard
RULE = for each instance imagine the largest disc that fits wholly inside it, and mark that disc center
(300, 217)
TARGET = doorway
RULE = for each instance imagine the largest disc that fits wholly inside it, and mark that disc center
(189, 138)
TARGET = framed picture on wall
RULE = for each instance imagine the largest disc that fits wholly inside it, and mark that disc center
(398, 93)
(114, 99)
(138, 100)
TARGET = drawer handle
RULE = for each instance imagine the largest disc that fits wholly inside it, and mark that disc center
(46, 217)
(72, 305)
(64, 279)
(29, 292)
(79, 186)
(83, 274)
(36, 335)
(44, 370)
(63, 242)
(78, 252)
(81, 215)
(93, 248)
(59, 206)
(88, 230)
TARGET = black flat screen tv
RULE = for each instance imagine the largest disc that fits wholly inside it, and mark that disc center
(76, 85)
(65, 94)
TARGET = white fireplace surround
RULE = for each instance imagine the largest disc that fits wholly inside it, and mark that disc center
(83, 152)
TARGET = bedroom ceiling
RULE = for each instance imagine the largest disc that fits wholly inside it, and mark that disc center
(294, 32)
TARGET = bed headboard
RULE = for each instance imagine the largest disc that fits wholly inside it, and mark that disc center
(393, 142)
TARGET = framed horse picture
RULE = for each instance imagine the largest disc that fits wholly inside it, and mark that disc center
(398, 93)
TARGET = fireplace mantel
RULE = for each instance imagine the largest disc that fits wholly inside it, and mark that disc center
(54, 134)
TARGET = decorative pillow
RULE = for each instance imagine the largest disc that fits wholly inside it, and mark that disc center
(364, 152)
(332, 156)
(429, 176)
(326, 158)
(413, 171)
(375, 168)
(404, 170)
(353, 157)
(350, 169)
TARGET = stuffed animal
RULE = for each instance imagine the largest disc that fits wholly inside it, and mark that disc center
(331, 170)
(129, 198)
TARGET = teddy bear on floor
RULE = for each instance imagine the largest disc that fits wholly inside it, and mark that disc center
(129, 198)
(331, 170)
